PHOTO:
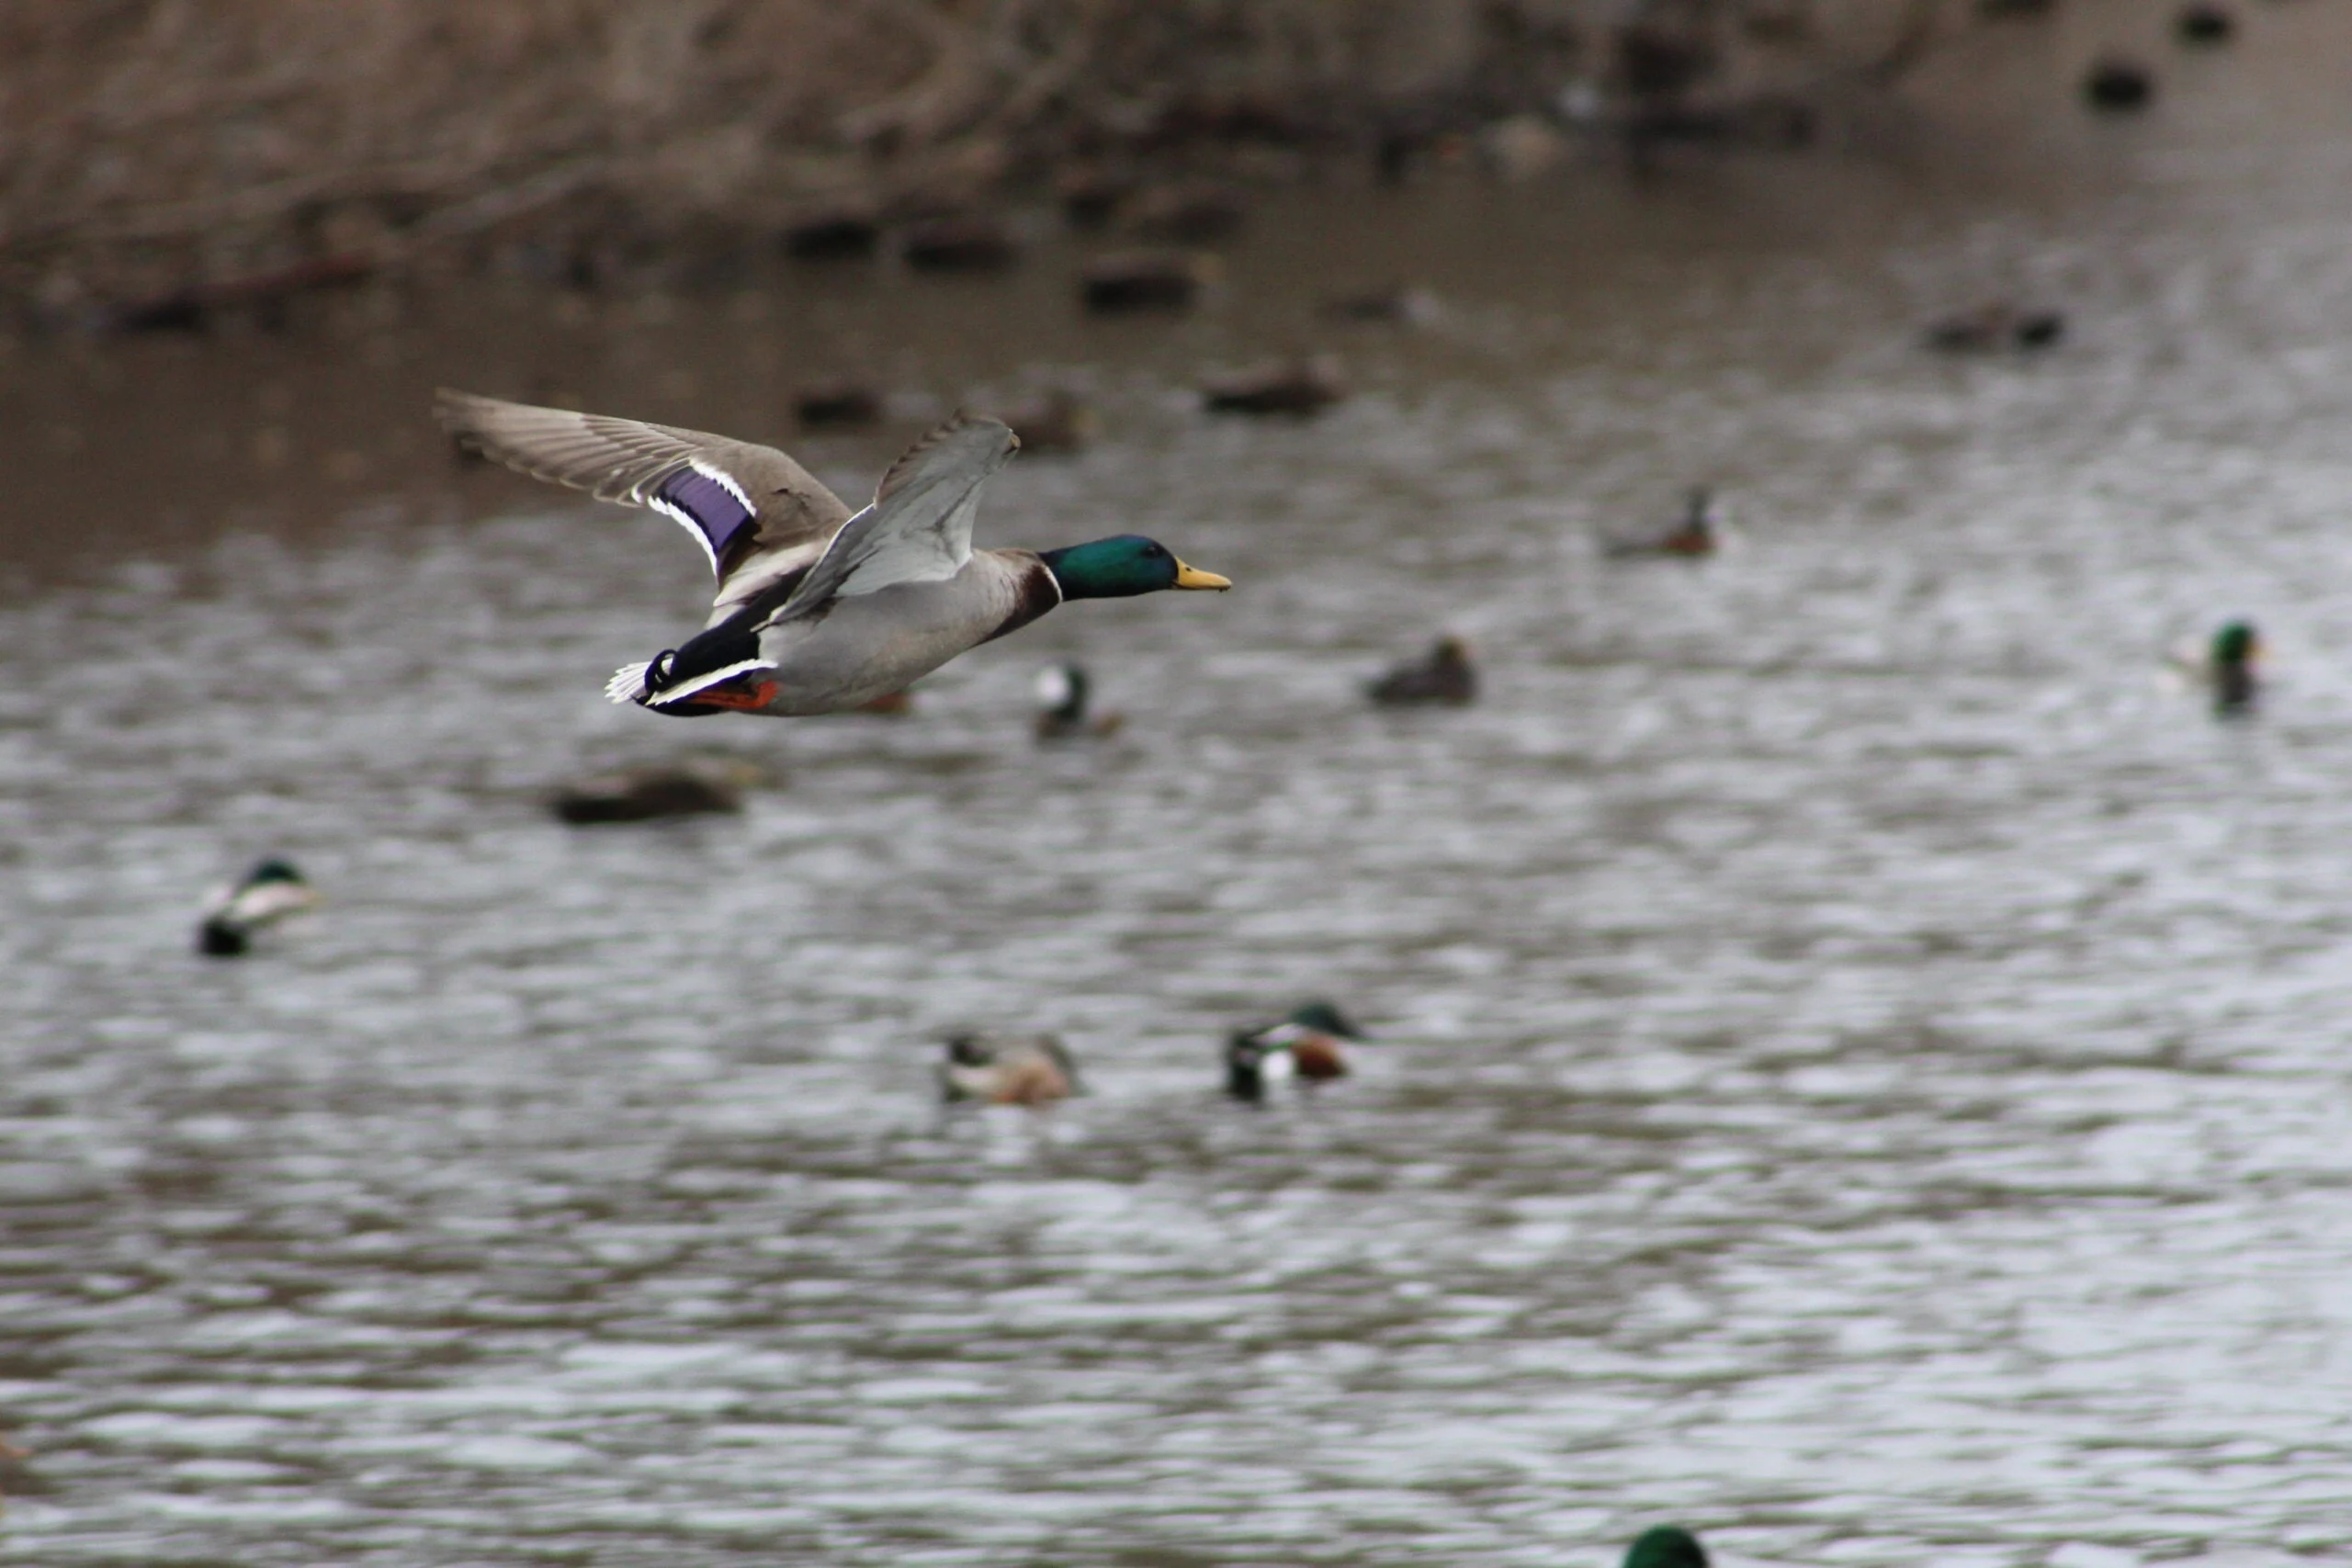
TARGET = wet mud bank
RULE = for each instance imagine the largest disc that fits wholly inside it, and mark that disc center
(181, 162)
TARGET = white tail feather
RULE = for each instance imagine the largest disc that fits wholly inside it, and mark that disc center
(627, 684)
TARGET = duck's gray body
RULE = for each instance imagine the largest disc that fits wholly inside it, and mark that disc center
(818, 610)
(878, 643)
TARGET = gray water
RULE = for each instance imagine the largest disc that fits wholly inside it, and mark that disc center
(1860, 1063)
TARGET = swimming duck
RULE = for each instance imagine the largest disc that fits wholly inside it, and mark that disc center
(1998, 325)
(696, 786)
(818, 611)
(2231, 665)
(1305, 1045)
(272, 891)
(1446, 675)
(1021, 1069)
(1188, 214)
(2117, 85)
(1395, 304)
(846, 234)
(1127, 281)
(960, 244)
(1666, 1546)
(1091, 194)
(2201, 23)
(1062, 691)
(840, 404)
(1696, 533)
(1296, 387)
(1060, 421)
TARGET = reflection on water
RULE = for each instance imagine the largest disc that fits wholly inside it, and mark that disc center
(1860, 1065)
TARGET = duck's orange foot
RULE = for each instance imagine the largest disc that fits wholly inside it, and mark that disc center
(890, 705)
(735, 694)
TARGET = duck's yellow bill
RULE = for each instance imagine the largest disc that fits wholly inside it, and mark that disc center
(1193, 577)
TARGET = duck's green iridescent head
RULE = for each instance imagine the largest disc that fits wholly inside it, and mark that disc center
(275, 870)
(1123, 566)
(1324, 1018)
(2236, 643)
(1666, 1546)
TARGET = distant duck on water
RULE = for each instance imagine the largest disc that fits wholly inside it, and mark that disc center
(1698, 532)
(1058, 421)
(271, 893)
(2229, 667)
(1297, 387)
(1666, 1546)
(1062, 693)
(1987, 329)
(1305, 1045)
(1000, 1069)
(693, 786)
(1445, 676)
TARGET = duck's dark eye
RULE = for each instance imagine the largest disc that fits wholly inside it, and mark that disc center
(1154, 550)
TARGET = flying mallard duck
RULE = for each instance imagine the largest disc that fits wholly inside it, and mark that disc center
(1666, 1546)
(2230, 666)
(1304, 1046)
(1062, 692)
(271, 892)
(1445, 676)
(818, 611)
(1022, 1069)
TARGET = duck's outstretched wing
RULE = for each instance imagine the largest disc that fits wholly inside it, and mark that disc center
(761, 517)
(919, 527)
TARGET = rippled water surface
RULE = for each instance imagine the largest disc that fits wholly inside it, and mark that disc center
(1861, 1066)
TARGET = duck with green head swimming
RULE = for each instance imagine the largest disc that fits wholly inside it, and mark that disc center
(1304, 1046)
(2234, 667)
(1666, 1546)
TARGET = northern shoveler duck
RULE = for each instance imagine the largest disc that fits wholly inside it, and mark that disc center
(1666, 1546)
(818, 611)
(1022, 1069)
(1305, 1045)
(1062, 692)
(272, 892)
(1446, 676)
(1698, 532)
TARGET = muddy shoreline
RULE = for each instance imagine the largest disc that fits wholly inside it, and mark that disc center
(185, 161)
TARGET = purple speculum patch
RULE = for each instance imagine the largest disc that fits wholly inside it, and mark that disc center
(707, 504)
